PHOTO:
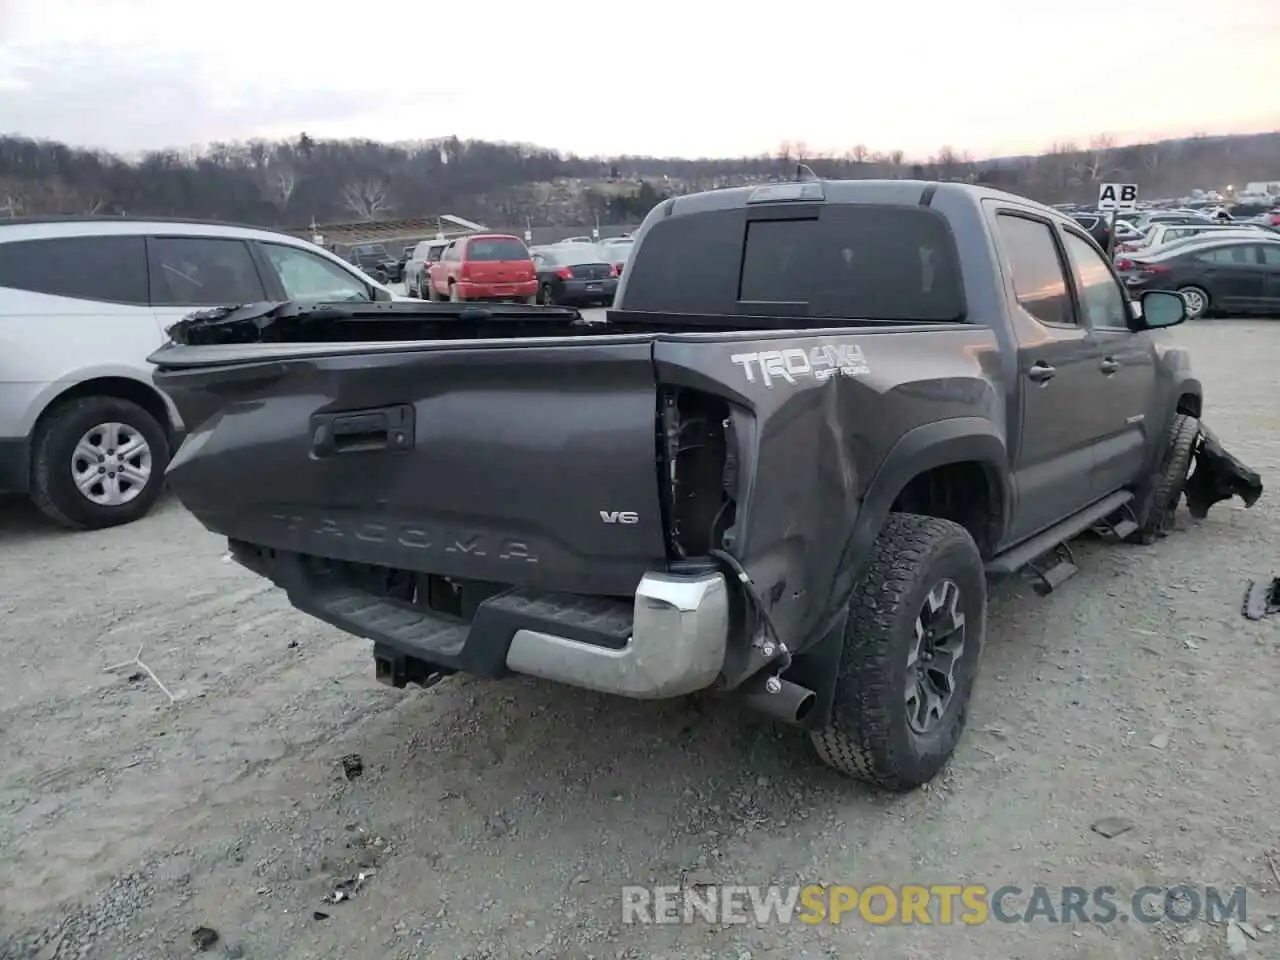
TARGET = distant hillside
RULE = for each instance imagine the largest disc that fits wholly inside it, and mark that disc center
(290, 183)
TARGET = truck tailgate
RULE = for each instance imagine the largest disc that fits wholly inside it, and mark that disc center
(525, 465)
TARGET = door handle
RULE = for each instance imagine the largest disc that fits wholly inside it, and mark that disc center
(363, 431)
(1041, 372)
(1108, 366)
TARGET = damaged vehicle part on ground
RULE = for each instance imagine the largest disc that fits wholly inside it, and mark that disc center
(787, 477)
(1262, 598)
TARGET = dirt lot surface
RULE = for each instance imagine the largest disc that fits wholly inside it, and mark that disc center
(502, 820)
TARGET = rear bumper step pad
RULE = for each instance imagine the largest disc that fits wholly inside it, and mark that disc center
(666, 641)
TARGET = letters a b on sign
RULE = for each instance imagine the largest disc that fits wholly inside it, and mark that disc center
(1122, 197)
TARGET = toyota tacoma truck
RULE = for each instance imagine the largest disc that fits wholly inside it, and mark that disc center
(819, 417)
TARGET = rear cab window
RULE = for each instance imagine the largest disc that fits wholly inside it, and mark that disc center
(825, 261)
(108, 269)
(497, 248)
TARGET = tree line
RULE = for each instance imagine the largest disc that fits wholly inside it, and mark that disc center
(291, 183)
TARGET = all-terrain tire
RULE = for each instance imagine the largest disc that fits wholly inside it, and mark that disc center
(53, 487)
(870, 737)
(1171, 481)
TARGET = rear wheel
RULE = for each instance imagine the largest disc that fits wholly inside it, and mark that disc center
(910, 658)
(98, 462)
(1197, 300)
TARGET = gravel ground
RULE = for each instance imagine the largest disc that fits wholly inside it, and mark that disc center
(501, 820)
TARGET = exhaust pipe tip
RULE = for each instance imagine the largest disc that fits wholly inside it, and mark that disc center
(781, 699)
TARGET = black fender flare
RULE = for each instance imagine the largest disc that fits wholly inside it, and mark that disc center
(923, 448)
(1188, 386)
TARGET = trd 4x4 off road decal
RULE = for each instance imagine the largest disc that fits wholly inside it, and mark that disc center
(794, 364)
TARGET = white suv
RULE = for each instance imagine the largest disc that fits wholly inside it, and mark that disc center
(83, 303)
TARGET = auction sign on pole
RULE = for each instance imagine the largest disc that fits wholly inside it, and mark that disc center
(1117, 198)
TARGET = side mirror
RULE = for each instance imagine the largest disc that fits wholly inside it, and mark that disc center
(1161, 308)
(380, 293)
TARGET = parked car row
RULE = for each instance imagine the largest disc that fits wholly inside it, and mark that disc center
(577, 271)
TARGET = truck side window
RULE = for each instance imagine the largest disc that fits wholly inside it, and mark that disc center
(1038, 278)
(1100, 297)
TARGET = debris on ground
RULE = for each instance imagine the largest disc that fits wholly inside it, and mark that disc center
(134, 677)
(1262, 598)
(346, 889)
(1237, 942)
(203, 938)
(1111, 827)
(319, 915)
(352, 765)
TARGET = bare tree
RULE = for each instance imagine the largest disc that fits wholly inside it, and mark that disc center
(1098, 161)
(366, 198)
(280, 182)
(948, 163)
(12, 203)
(1151, 156)
(259, 153)
(94, 205)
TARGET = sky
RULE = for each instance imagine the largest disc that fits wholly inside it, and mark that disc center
(660, 77)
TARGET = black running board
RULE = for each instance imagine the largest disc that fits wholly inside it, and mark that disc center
(1016, 559)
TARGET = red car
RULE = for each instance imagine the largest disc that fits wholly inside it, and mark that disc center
(488, 266)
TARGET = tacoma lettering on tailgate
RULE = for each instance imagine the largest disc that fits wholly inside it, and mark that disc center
(794, 363)
(413, 536)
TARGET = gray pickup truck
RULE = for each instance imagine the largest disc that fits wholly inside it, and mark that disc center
(820, 415)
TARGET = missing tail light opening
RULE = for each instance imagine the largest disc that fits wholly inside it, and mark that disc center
(698, 452)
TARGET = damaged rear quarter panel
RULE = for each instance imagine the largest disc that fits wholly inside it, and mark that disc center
(810, 446)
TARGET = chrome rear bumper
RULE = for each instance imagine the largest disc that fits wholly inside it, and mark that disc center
(677, 645)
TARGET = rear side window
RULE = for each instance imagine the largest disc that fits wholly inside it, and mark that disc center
(1231, 256)
(107, 269)
(202, 272)
(497, 248)
(851, 261)
(1038, 278)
